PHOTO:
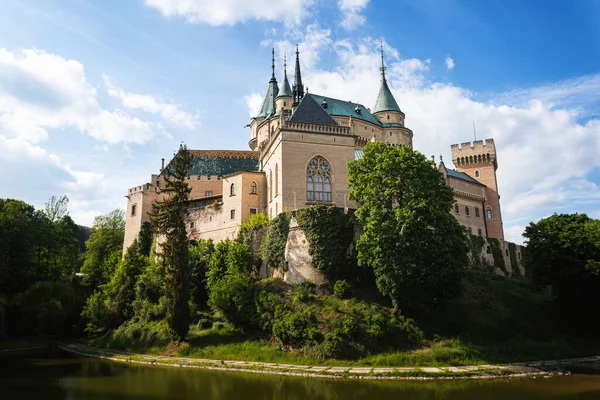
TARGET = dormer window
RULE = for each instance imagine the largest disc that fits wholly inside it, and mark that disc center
(357, 110)
(324, 104)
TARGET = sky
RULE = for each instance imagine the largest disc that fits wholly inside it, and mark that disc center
(93, 93)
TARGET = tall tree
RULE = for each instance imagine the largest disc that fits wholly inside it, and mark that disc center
(415, 247)
(170, 223)
(563, 252)
(104, 248)
(56, 208)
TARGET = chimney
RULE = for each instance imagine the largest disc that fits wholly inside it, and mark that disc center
(162, 164)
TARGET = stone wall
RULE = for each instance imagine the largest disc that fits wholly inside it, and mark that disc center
(298, 261)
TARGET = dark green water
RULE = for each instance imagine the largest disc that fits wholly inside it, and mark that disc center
(55, 375)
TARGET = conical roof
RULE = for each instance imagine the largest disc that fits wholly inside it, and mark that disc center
(285, 88)
(268, 104)
(385, 98)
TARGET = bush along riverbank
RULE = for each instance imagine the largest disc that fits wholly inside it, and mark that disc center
(494, 320)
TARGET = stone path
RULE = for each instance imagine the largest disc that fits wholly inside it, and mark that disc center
(473, 371)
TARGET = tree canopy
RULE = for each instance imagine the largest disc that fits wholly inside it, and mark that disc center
(415, 247)
(563, 251)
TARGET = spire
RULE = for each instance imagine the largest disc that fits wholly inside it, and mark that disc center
(385, 98)
(285, 85)
(297, 87)
(268, 105)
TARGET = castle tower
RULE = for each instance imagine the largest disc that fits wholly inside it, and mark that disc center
(284, 98)
(297, 87)
(479, 161)
(387, 111)
(268, 105)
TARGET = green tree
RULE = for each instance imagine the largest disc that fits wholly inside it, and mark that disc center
(104, 248)
(563, 251)
(56, 208)
(170, 222)
(145, 239)
(200, 255)
(416, 248)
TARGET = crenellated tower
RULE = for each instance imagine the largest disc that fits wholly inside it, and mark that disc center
(479, 161)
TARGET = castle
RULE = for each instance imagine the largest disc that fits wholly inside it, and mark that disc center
(300, 144)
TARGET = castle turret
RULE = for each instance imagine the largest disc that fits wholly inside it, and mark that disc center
(268, 105)
(284, 98)
(387, 111)
(297, 87)
(480, 162)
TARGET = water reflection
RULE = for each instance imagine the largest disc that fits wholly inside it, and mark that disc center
(55, 375)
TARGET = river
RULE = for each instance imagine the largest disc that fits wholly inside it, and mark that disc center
(56, 375)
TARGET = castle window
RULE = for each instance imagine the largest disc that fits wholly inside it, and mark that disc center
(456, 209)
(318, 180)
(470, 230)
(252, 211)
(488, 213)
(233, 213)
(133, 209)
(479, 232)
(232, 189)
(208, 193)
(477, 212)
(507, 252)
(390, 133)
(253, 188)
(284, 104)
(388, 116)
(476, 173)
(467, 211)
(192, 225)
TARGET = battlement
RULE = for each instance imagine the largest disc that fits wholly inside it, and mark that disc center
(477, 152)
(140, 188)
(478, 146)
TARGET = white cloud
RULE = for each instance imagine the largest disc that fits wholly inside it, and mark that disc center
(254, 101)
(41, 91)
(544, 152)
(351, 17)
(449, 63)
(172, 113)
(230, 12)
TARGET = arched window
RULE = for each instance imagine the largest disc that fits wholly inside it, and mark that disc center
(456, 208)
(232, 189)
(466, 211)
(270, 185)
(476, 173)
(318, 180)
(276, 179)
(253, 188)
(488, 213)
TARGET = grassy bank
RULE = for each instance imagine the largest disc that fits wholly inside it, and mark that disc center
(495, 320)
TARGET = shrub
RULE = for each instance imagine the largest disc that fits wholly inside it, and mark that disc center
(302, 291)
(204, 324)
(296, 327)
(341, 289)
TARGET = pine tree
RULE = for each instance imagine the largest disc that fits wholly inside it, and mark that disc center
(169, 223)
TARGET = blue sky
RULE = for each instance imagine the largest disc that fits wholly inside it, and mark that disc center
(94, 93)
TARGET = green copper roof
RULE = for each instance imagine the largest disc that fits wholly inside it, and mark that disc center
(461, 175)
(222, 162)
(385, 99)
(285, 88)
(268, 105)
(345, 109)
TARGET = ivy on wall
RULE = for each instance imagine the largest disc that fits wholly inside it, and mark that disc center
(478, 261)
(330, 232)
(497, 254)
(512, 250)
(273, 244)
